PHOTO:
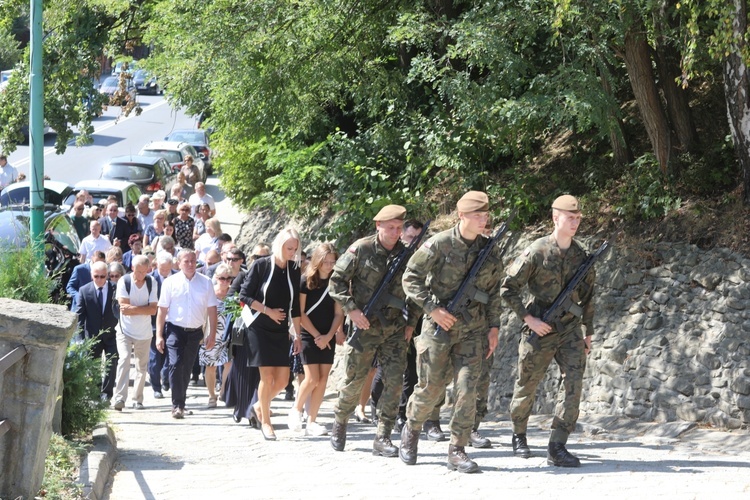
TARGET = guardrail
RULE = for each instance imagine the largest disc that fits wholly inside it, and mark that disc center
(6, 362)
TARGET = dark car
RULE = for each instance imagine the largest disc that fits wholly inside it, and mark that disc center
(145, 83)
(199, 139)
(150, 173)
(111, 88)
(61, 243)
(55, 193)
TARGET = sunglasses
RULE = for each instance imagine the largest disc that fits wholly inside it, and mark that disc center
(100, 276)
(115, 276)
(258, 256)
(184, 210)
(130, 215)
(150, 253)
(233, 259)
(224, 278)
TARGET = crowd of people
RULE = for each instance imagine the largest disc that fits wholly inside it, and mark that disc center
(188, 300)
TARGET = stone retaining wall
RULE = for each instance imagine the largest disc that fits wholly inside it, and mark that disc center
(672, 333)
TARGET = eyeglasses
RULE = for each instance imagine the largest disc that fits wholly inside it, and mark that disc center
(234, 259)
(115, 276)
(224, 278)
(100, 276)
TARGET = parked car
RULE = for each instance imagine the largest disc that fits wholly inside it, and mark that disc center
(55, 193)
(61, 243)
(199, 139)
(150, 173)
(145, 83)
(125, 191)
(175, 152)
(111, 87)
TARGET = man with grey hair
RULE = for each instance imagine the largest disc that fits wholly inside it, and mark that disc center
(145, 214)
(158, 367)
(8, 173)
(187, 300)
(137, 299)
(200, 197)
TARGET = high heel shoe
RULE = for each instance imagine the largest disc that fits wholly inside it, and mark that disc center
(253, 420)
(268, 433)
(359, 415)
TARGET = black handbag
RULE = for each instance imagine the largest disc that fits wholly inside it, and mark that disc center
(238, 332)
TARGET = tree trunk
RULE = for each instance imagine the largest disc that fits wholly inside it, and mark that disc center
(737, 92)
(620, 147)
(641, 76)
(677, 98)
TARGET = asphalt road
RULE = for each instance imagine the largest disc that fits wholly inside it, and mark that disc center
(113, 136)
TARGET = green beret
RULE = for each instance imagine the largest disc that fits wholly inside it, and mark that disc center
(390, 212)
(474, 201)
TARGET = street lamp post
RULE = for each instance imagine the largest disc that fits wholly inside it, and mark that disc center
(36, 130)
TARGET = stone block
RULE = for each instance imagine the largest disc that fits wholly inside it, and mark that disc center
(653, 323)
(690, 413)
(647, 383)
(743, 402)
(708, 359)
(633, 278)
(704, 402)
(660, 297)
(634, 410)
(708, 281)
(741, 385)
(681, 384)
(736, 303)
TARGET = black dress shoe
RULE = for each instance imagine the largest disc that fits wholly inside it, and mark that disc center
(559, 456)
(338, 436)
(400, 422)
(383, 447)
(458, 460)
(289, 395)
(165, 385)
(520, 447)
(236, 418)
(476, 440)
(409, 441)
(253, 420)
(433, 431)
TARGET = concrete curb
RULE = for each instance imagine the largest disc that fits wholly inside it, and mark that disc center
(98, 464)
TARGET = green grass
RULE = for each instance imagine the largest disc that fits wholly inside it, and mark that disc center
(61, 467)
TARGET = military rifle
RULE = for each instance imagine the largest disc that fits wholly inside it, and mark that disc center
(468, 291)
(564, 304)
(381, 298)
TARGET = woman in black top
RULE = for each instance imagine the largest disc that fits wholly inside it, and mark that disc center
(321, 319)
(271, 296)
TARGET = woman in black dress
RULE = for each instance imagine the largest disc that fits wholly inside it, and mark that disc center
(271, 296)
(321, 319)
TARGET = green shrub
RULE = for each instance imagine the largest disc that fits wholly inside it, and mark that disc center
(644, 193)
(82, 408)
(61, 469)
(21, 276)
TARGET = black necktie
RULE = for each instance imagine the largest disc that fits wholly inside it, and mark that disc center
(101, 300)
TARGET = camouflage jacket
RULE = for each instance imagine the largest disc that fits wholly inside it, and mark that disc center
(438, 268)
(357, 274)
(546, 270)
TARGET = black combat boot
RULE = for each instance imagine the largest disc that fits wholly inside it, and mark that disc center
(558, 456)
(458, 460)
(520, 447)
(400, 422)
(382, 447)
(433, 430)
(409, 441)
(338, 436)
(476, 440)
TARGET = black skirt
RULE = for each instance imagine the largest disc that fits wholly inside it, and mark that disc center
(313, 355)
(267, 348)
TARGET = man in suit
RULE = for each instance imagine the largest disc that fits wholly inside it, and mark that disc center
(80, 276)
(96, 318)
(109, 220)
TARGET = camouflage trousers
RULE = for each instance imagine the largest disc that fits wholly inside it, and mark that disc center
(390, 348)
(483, 386)
(567, 349)
(438, 362)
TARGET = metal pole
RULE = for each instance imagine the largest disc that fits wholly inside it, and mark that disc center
(36, 130)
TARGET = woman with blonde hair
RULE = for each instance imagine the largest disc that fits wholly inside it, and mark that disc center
(271, 297)
(209, 240)
(321, 317)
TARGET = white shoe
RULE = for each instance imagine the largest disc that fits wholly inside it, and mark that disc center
(294, 420)
(315, 429)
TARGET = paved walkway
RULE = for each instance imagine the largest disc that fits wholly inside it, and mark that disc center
(208, 455)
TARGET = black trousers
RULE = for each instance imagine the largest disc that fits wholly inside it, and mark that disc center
(107, 345)
(182, 346)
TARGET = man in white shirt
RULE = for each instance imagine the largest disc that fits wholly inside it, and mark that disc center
(137, 305)
(93, 242)
(187, 300)
(8, 173)
(145, 214)
(200, 197)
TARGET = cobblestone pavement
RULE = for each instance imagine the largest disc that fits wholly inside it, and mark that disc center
(208, 455)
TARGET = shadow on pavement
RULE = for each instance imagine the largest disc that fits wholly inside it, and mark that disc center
(148, 461)
(214, 190)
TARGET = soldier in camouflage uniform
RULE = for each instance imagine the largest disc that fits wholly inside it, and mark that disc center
(546, 266)
(433, 275)
(386, 334)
